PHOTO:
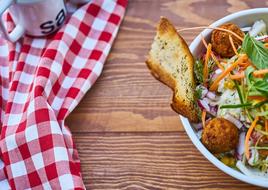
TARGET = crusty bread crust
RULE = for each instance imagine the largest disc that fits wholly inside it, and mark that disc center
(171, 62)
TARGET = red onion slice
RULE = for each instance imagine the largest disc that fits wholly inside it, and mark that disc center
(218, 71)
(240, 147)
(203, 89)
(198, 126)
(211, 95)
(204, 105)
(261, 38)
(232, 119)
(246, 29)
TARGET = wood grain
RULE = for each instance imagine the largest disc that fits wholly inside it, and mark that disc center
(126, 133)
(148, 161)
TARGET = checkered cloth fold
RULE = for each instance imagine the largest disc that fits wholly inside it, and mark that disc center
(41, 82)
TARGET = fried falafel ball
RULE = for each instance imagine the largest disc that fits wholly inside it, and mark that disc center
(220, 40)
(220, 135)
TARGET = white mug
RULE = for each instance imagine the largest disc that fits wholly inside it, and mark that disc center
(32, 17)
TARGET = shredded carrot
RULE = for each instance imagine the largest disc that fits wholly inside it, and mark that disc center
(204, 113)
(211, 27)
(237, 76)
(204, 41)
(250, 130)
(243, 64)
(212, 54)
(266, 45)
(205, 69)
(216, 61)
(232, 44)
(266, 125)
(258, 73)
(242, 68)
(215, 83)
(260, 98)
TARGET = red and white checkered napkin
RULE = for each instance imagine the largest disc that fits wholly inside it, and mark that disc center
(41, 81)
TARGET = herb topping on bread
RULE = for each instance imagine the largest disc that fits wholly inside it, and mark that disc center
(171, 62)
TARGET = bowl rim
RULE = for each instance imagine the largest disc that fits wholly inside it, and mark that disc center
(186, 124)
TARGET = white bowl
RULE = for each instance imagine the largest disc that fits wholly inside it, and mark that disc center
(242, 19)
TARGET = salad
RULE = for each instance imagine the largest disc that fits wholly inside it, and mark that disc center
(232, 94)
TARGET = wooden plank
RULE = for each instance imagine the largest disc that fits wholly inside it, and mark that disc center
(147, 161)
(122, 121)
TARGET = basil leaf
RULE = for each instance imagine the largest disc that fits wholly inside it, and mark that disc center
(262, 86)
(256, 51)
(256, 85)
(249, 75)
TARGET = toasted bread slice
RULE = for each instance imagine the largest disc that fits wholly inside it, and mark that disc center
(171, 62)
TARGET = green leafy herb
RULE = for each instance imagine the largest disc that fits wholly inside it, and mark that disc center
(262, 86)
(238, 88)
(235, 106)
(211, 65)
(198, 93)
(249, 76)
(256, 51)
(198, 71)
(256, 86)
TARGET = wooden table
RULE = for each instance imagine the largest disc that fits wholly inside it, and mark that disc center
(125, 131)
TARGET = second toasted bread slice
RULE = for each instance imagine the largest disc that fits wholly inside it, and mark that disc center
(171, 62)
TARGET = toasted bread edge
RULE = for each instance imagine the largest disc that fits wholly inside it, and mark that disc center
(191, 112)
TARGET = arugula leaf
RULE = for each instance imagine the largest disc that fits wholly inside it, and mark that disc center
(256, 51)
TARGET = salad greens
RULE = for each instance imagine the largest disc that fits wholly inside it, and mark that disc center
(198, 70)
(256, 52)
(257, 86)
(244, 103)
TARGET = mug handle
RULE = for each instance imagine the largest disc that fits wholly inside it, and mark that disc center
(18, 31)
